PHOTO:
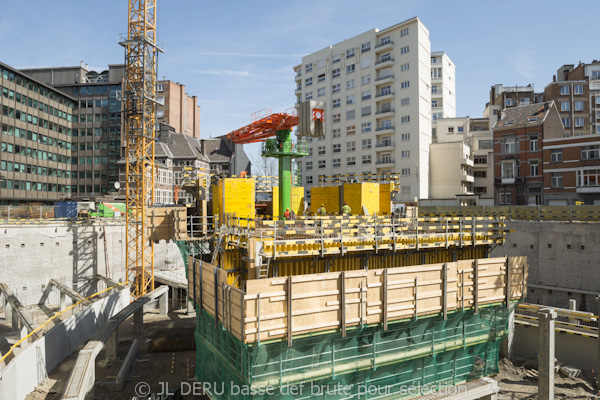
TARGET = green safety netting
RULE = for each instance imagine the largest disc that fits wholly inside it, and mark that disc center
(369, 363)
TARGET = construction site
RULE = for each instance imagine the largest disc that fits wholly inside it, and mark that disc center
(248, 293)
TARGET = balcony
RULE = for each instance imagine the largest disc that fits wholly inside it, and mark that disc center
(384, 145)
(298, 77)
(467, 161)
(386, 128)
(384, 113)
(507, 180)
(385, 62)
(384, 162)
(298, 90)
(384, 79)
(467, 178)
(588, 189)
(384, 95)
(388, 44)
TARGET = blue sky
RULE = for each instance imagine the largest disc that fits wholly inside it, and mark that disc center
(237, 56)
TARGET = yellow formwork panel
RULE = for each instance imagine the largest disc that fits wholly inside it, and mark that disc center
(385, 198)
(362, 194)
(234, 196)
(297, 200)
(327, 195)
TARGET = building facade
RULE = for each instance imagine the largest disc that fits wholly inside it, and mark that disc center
(518, 161)
(377, 87)
(514, 96)
(451, 171)
(572, 170)
(443, 86)
(37, 161)
(177, 108)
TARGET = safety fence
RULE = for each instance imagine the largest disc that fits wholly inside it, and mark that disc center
(567, 321)
(526, 213)
(284, 308)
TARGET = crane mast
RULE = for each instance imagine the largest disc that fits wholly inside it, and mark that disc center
(139, 99)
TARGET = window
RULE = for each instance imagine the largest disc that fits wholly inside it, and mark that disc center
(565, 105)
(461, 129)
(309, 165)
(505, 197)
(321, 92)
(309, 180)
(321, 78)
(590, 152)
(557, 181)
(385, 40)
(337, 148)
(366, 127)
(322, 151)
(565, 90)
(405, 171)
(308, 96)
(336, 88)
(386, 90)
(434, 89)
(508, 169)
(385, 141)
(350, 129)
(336, 58)
(350, 115)
(336, 133)
(450, 129)
(405, 119)
(337, 163)
(386, 124)
(365, 47)
(479, 189)
(366, 95)
(350, 84)
(405, 154)
(366, 79)
(336, 103)
(350, 146)
(486, 144)
(509, 102)
(404, 50)
(350, 68)
(322, 164)
(350, 161)
(386, 57)
(350, 53)
(335, 73)
(579, 122)
(366, 159)
(480, 174)
(308, 67)
(365, 63)
(556, 155)
(366, 110)
(404, 102)
(404, 32)
(579, 106)
(566, 122)
(534, 167)
(436, 72)
(509, 145)
(366, 144)
(481, 159)
(351, 99)
(588, 177)
(336, 117)
(578, 89)
(434, 103)
(404, 67)
(405, 84)
(405, 137)
(533, 143)
(307, 82)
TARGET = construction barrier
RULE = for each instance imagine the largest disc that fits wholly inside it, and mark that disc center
(526, 213)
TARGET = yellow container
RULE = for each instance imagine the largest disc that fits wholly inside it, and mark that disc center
(362, 194)
(297, 200)
(326, 195)
(234, 196)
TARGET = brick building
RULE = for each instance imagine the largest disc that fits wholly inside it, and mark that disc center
(513, 96)
(518, 138)
(572, 170)
(178, 109)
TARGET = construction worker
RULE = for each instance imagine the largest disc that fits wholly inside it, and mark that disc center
(286, 214)
(322, 211)
(346, 209)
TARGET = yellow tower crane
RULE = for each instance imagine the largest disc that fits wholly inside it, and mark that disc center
(139, 99)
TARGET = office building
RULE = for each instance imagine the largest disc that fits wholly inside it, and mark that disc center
(377, 87)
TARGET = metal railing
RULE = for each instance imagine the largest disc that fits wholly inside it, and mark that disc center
(384, 128)
(384, 60)
(386, 43)
(384, 94)
(385, 161)
(384, 144)
(384, 77)
(569, 321)
(384, 111)
(524, 213)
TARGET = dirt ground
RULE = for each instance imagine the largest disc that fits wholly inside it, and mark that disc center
(514, 384)
(166, 360)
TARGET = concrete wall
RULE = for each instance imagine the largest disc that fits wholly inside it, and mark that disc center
(72, 253)
(26, 370)
(575, 350)
(563, 261)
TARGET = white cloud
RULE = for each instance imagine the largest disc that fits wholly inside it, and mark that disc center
(524, 64)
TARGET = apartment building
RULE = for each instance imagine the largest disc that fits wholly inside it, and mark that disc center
(443, 86)
(576, 92)
(518, 138)
(177, 108)
(514, 96)
(37, 161)
(451, 169)
(377, 87)
(572, 170)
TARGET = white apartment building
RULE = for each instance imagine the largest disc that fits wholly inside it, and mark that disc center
(443, 86)
(377, 90)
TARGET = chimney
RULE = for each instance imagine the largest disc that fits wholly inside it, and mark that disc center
(203, 148)
(81, 64)
(553, 78)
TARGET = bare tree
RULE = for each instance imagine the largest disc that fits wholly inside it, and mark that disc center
(263, 166)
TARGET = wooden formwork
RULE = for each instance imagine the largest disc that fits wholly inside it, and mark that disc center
(278, 308)
(166, 223)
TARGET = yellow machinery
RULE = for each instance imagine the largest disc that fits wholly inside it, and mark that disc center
(139, 96)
